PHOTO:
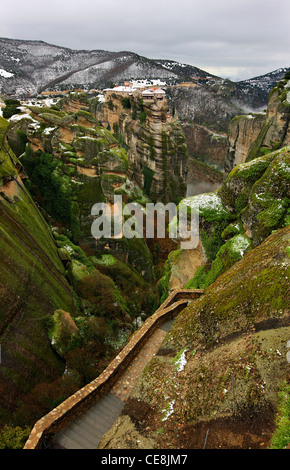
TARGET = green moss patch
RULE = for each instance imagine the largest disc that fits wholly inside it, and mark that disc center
(229, 253)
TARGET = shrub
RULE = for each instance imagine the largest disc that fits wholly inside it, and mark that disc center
(148, 177)
(11, 108)
(142, 117)
(45, 175)
(126, 103)
(13, 437)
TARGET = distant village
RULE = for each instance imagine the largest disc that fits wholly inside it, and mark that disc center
(149, 91)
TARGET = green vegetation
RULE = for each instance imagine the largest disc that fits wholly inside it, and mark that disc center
(126, 103)
(7, 158)
(11, 108)
(142, 117)
(46, 176)
(148, 178)
(163, 283)
(13, 437)
(281, 436)
(229, 253)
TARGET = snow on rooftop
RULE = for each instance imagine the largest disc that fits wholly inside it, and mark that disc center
(147, 92)
(101, 98)
(153, 86)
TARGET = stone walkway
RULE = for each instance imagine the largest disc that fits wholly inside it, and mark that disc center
(87, 430)
(126, 382)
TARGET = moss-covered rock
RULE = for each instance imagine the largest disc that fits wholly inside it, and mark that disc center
(98, 289)
(254, 290)
(268, 203)
(235, 190)
(208, 205)
(63, 332)
(257, 193)
(229, 253)
(233, 346)
(7, 157)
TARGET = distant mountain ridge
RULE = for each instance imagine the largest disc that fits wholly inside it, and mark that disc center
(28, 67)
(268, 81)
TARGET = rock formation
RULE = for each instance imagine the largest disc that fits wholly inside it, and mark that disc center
(253, 135)
(32, 285)
(157, 150)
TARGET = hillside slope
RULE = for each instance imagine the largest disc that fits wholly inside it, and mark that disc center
(222, 366)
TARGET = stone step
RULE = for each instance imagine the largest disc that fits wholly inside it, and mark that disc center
(87, 430)
(71, 439)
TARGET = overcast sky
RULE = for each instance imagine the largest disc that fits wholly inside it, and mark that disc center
(234, 39)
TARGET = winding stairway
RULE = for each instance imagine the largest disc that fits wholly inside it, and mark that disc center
(87, 431)
(82, 420)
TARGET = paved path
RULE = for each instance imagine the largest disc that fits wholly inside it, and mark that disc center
(87, 430)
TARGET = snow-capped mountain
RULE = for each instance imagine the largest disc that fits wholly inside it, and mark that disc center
(267, 81)
(29, 67)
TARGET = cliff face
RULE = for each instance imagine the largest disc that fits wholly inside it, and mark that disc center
(208, 146)
(85, 164)
(157, 148)
(253, 135)
(32, 286)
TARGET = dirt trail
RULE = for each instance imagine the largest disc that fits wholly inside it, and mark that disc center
(185, 266)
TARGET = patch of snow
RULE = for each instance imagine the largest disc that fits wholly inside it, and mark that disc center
(181, 361)
(35, 125)
(168, 410)
(48, 130)
(101, 98)
(240, 244)
(5, 74)
(69, 249)
(18, 117)
(87, 137)
(205, 201)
